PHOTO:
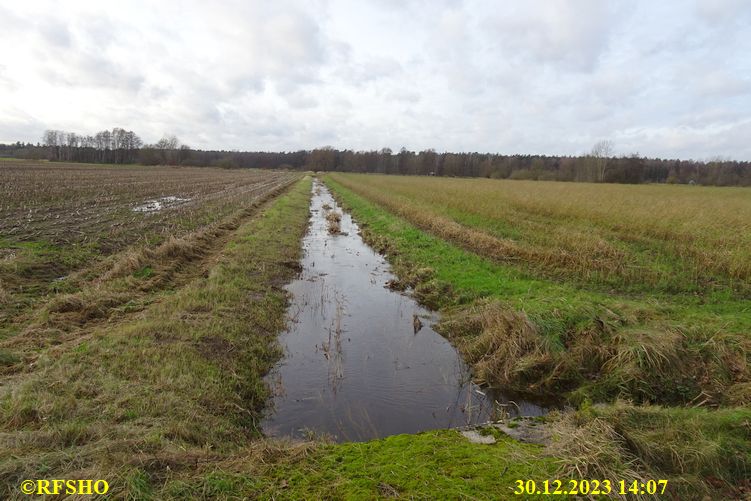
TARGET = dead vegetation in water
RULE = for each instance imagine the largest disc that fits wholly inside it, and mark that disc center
(332, 350)
(334, 219)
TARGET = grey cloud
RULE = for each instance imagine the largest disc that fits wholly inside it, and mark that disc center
(701, 143)
(301, 101)
(376, 68)
(16, 124)
(720, 11)
(572, 33)
(5, 80)
(55, 33)
(406, 95)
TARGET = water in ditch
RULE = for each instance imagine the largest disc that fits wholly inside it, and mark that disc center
(362, 361)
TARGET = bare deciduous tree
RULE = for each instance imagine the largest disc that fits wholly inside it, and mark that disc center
(601, 153)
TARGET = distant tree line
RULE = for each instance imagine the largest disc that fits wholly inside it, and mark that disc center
(118, 146)
(600, 165)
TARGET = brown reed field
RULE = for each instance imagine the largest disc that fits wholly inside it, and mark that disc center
(629, 237)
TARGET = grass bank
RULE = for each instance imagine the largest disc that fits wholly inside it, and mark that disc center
(539, 333)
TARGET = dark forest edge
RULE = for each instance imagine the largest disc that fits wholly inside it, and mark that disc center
(600, 165)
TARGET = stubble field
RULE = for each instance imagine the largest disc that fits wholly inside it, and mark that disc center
(59, 219)
(112, 206)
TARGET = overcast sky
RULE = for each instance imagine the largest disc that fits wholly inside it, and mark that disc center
(662, 78)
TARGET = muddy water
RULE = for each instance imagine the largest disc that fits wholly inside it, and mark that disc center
(362, 361)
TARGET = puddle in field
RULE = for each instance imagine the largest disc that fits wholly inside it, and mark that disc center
(356, 365)
(159, 204)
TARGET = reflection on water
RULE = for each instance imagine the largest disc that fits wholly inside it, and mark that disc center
(159, 204)
(362, 361)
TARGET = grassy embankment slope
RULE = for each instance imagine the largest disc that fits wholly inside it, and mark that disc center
(597, 293)
(146, 370)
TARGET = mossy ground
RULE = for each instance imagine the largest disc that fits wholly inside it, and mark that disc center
(431, 465)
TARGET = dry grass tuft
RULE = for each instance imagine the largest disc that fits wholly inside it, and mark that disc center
(504, 347)
(171, 253)
(601, 359)
(127, 262)
(739, 395)
(644, 350)
(696, 447)
(82, 307)
(642, 358)
(334, 219)
(4, 294)
(592, 449)
(267, 451)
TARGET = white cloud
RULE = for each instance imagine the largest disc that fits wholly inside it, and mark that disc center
(545, 76)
